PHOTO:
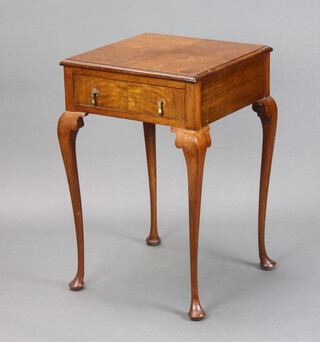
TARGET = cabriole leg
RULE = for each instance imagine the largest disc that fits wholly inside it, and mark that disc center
(267, 111)
(68, 127)
(194, 145)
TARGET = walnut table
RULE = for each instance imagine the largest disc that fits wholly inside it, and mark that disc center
(185, 83)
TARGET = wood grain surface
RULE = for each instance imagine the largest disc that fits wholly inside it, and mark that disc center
(232, 89)
(166, 56)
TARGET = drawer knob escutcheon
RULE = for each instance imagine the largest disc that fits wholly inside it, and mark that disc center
(160, 105)
(94, 94)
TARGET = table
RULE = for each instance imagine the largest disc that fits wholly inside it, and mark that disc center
(185, 83)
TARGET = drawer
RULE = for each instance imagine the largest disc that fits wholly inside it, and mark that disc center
(131, 97)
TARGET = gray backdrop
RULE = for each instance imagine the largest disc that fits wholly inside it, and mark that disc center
(135, 292)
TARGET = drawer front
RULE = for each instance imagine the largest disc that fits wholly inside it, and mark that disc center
(130, 97)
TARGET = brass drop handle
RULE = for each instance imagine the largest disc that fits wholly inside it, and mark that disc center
(94, 94)
(160, 105)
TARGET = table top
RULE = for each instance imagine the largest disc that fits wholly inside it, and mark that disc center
(166, 56)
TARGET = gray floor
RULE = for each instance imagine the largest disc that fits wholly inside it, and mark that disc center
(140, 293)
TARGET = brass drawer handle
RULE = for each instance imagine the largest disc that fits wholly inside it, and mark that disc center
(160, 105)
(94, 94)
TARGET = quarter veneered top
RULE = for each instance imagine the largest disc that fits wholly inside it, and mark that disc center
(165, 56)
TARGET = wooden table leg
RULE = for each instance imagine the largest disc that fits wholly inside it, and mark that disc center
(150, 140)
(194, 145)
(267, 111)
(68, 127)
